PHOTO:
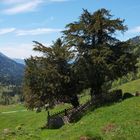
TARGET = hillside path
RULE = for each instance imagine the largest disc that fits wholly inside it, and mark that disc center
(9, 112)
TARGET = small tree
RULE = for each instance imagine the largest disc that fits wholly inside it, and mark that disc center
(6, 97)
(50, 79)
(100, 55)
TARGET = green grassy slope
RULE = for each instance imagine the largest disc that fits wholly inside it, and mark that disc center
(117, 122)
(120, 121)
(131, 87)
(29, 121)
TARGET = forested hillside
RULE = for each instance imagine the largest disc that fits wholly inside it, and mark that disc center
(10, 71)
(134, 48)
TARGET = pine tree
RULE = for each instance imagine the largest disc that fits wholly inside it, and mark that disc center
(101, 56)
(50, 79)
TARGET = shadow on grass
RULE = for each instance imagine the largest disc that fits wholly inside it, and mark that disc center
(75, 117)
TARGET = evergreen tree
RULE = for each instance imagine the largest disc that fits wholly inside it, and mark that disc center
(101, 56)
(50, 79)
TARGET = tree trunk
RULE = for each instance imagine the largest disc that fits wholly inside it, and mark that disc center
(74, 101)
(96, 95)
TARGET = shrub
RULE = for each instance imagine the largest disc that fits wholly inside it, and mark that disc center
(113, 96)
(127, 95)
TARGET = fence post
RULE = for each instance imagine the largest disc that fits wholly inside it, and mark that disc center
(48, 119)
(65, 112)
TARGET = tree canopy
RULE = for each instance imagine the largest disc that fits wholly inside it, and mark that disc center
(50, 79)
(104, 57)
(90, 56)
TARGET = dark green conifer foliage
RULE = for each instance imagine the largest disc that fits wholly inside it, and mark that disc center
(50, 79)
(90, 56)
(100, 54)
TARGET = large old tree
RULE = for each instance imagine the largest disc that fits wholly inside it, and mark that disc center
(50, 79)
(101, 56)
(90, 56)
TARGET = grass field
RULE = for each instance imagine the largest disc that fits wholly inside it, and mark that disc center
(120, 121)
(131, 87)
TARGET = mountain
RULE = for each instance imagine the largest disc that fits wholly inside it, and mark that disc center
(11, 72)
(20, 61)
(135, 48)
(135, 40)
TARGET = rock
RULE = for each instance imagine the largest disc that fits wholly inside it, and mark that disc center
(38, 110)
(6, 131)
(56, 122)
(66, 119)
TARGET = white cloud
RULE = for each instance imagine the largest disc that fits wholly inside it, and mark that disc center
(37, 31)
(23, 7)
(18, 50)
(134, 30)
(13, 1)
(6, 30)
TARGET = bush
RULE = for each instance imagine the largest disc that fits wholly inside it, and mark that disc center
(127, 95)
(113, 96)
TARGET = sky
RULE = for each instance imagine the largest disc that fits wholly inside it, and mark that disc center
(25, 21)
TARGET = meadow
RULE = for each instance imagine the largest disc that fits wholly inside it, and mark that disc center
(119, 121)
